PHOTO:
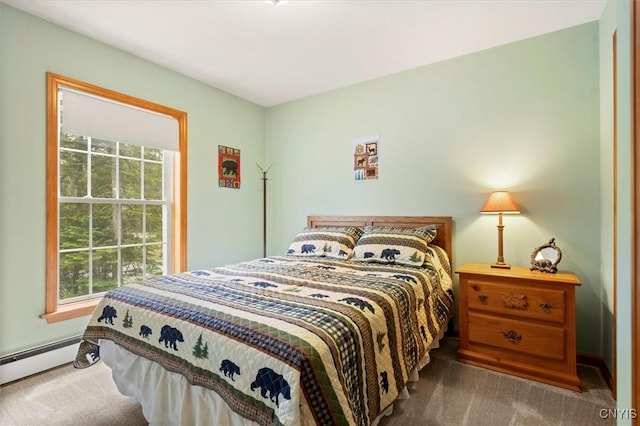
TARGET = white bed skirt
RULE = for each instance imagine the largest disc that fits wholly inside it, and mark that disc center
(168, 399)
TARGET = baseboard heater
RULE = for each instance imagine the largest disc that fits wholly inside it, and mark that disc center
(35, 360)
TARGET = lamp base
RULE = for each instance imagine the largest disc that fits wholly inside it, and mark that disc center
(501, 265)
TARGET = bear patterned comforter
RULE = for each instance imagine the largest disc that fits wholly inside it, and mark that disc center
(284, 340)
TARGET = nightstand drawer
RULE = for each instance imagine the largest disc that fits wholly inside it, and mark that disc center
(518, 300)
(519, 336)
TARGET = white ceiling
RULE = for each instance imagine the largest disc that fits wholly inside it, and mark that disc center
(274, 54)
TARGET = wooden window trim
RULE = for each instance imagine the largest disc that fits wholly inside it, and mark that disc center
(177, 262)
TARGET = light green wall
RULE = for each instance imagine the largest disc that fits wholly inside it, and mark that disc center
(222, 223)
(523, 117)
(607, 26)
(625, 208)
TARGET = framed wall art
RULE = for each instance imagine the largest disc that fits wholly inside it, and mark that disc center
(228, 167)
(366, 158)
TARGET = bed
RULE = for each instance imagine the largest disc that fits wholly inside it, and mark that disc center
(329, 332)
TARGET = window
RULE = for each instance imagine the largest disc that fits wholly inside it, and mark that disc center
(116, 193)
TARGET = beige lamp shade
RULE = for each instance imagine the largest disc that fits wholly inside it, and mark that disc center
(500, 202)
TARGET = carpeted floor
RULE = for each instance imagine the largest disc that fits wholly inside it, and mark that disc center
(449, 393)
(452, 393)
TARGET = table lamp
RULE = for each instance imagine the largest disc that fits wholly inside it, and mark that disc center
(500, 202)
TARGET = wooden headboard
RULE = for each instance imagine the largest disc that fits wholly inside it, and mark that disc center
(443, 225)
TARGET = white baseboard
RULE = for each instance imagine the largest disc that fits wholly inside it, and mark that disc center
(24, 367)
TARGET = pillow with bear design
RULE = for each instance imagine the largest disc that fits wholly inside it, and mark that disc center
(332, 241)
(404, 246)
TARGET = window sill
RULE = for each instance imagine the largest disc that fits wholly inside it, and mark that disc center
(71, 310)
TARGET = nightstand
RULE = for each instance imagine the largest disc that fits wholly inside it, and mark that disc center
(519, 322)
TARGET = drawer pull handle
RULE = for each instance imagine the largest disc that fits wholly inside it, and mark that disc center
(483, 298)
(512, 336)
(545, 307)
(515, 301)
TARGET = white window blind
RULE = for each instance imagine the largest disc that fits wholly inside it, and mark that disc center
(84, 114)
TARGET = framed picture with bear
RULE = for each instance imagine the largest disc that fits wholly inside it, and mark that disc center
(228, 167)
